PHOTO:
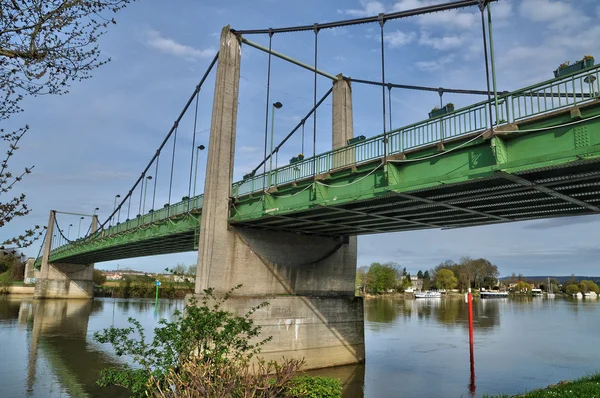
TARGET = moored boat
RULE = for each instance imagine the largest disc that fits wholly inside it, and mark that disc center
(428, 294)
(490, 294)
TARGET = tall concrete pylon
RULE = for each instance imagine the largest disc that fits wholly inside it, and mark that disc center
(61, 280)
(307, 280)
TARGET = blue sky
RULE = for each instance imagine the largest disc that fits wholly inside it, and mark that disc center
(91, 144)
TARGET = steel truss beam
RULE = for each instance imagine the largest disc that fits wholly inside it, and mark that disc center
(449, 206)
(547, 191)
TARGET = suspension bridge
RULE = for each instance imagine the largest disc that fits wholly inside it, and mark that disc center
(289, 233)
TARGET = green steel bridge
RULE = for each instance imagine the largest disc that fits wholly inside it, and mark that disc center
(540, 159)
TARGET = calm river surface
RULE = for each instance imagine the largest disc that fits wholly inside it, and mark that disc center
(415, 348)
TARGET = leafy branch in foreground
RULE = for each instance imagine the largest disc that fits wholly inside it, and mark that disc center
(205, 353)
(44, 46)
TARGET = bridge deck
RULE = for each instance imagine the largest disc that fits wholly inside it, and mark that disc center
(445, 172)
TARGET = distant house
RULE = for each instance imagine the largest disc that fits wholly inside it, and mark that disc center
(113, 276)
(417, 283)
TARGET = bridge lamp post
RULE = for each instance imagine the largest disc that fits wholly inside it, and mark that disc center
(69, 231)
(199, 148)
(276, 105)
(590, 79)
(79, 228)
(148, 178)
(115, 206)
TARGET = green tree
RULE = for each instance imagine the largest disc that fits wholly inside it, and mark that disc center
(99, 277)
(44, 46)
(380, 278)
(572, 289)
(522, 287)
(586, 286)
(420, 274)
(445, 279)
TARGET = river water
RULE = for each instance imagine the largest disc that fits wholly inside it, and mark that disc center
(414, 348)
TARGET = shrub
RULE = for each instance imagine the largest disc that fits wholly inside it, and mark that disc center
(205, 353)
(99, 277)
(314, 387)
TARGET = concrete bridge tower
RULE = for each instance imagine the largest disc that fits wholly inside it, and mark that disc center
(308, 280)
(61, 280)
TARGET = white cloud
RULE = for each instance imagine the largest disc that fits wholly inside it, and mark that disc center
(155, 40)
(429, 66)
(446, 42)
(249, 149)
(398, 38)
(501, 10)
(558, 14)
(369, 8)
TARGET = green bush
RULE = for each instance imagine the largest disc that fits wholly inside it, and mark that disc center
(314, 387)
(209, 352)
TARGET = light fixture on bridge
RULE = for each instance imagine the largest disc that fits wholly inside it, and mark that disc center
(590, 79)
(198, 148)
(148, 179)
(276, 105)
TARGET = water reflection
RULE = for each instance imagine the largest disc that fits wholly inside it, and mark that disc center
(452, 312)
(414, 347)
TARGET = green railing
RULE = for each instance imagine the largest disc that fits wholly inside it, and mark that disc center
(555, 94)
(166, 212)
(558, 93)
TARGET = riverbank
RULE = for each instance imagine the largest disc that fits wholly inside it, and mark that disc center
(585, 387)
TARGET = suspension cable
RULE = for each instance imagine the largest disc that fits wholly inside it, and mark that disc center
(287, 137)
(487, 67)
(381, 23)
(155, 181)
(356, 21)
(193, 145)
(172, 167)
(420, 88)
(267, 113)
(166, 139)
(390, 105)
(316, 30)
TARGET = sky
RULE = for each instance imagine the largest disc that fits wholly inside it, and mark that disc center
(92, 143)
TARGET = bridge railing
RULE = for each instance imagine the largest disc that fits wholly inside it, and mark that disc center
(178, 208)
(554, 94)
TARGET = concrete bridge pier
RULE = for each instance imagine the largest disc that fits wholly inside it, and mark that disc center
(61, 280)
(308, 280)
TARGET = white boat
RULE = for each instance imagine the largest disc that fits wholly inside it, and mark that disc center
(550, 294)
(578, 295)
(493, 294)
(428, 294)
(590, 295)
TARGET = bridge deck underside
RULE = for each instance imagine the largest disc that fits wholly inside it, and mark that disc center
(175, 243)
(571, 190)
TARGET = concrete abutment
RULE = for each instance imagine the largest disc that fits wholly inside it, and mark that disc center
(307, 280)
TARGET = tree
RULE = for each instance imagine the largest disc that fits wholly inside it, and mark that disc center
(380, 278)
(179, 269)
(44, 46)
(99, 277)
(522, 287)
(588, 286)
(420, 274)
(572, 289)
(361, 277)
(445, 279)
(191, 271)
(426, 275)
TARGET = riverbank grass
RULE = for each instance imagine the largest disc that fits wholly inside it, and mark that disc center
(585, 387)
